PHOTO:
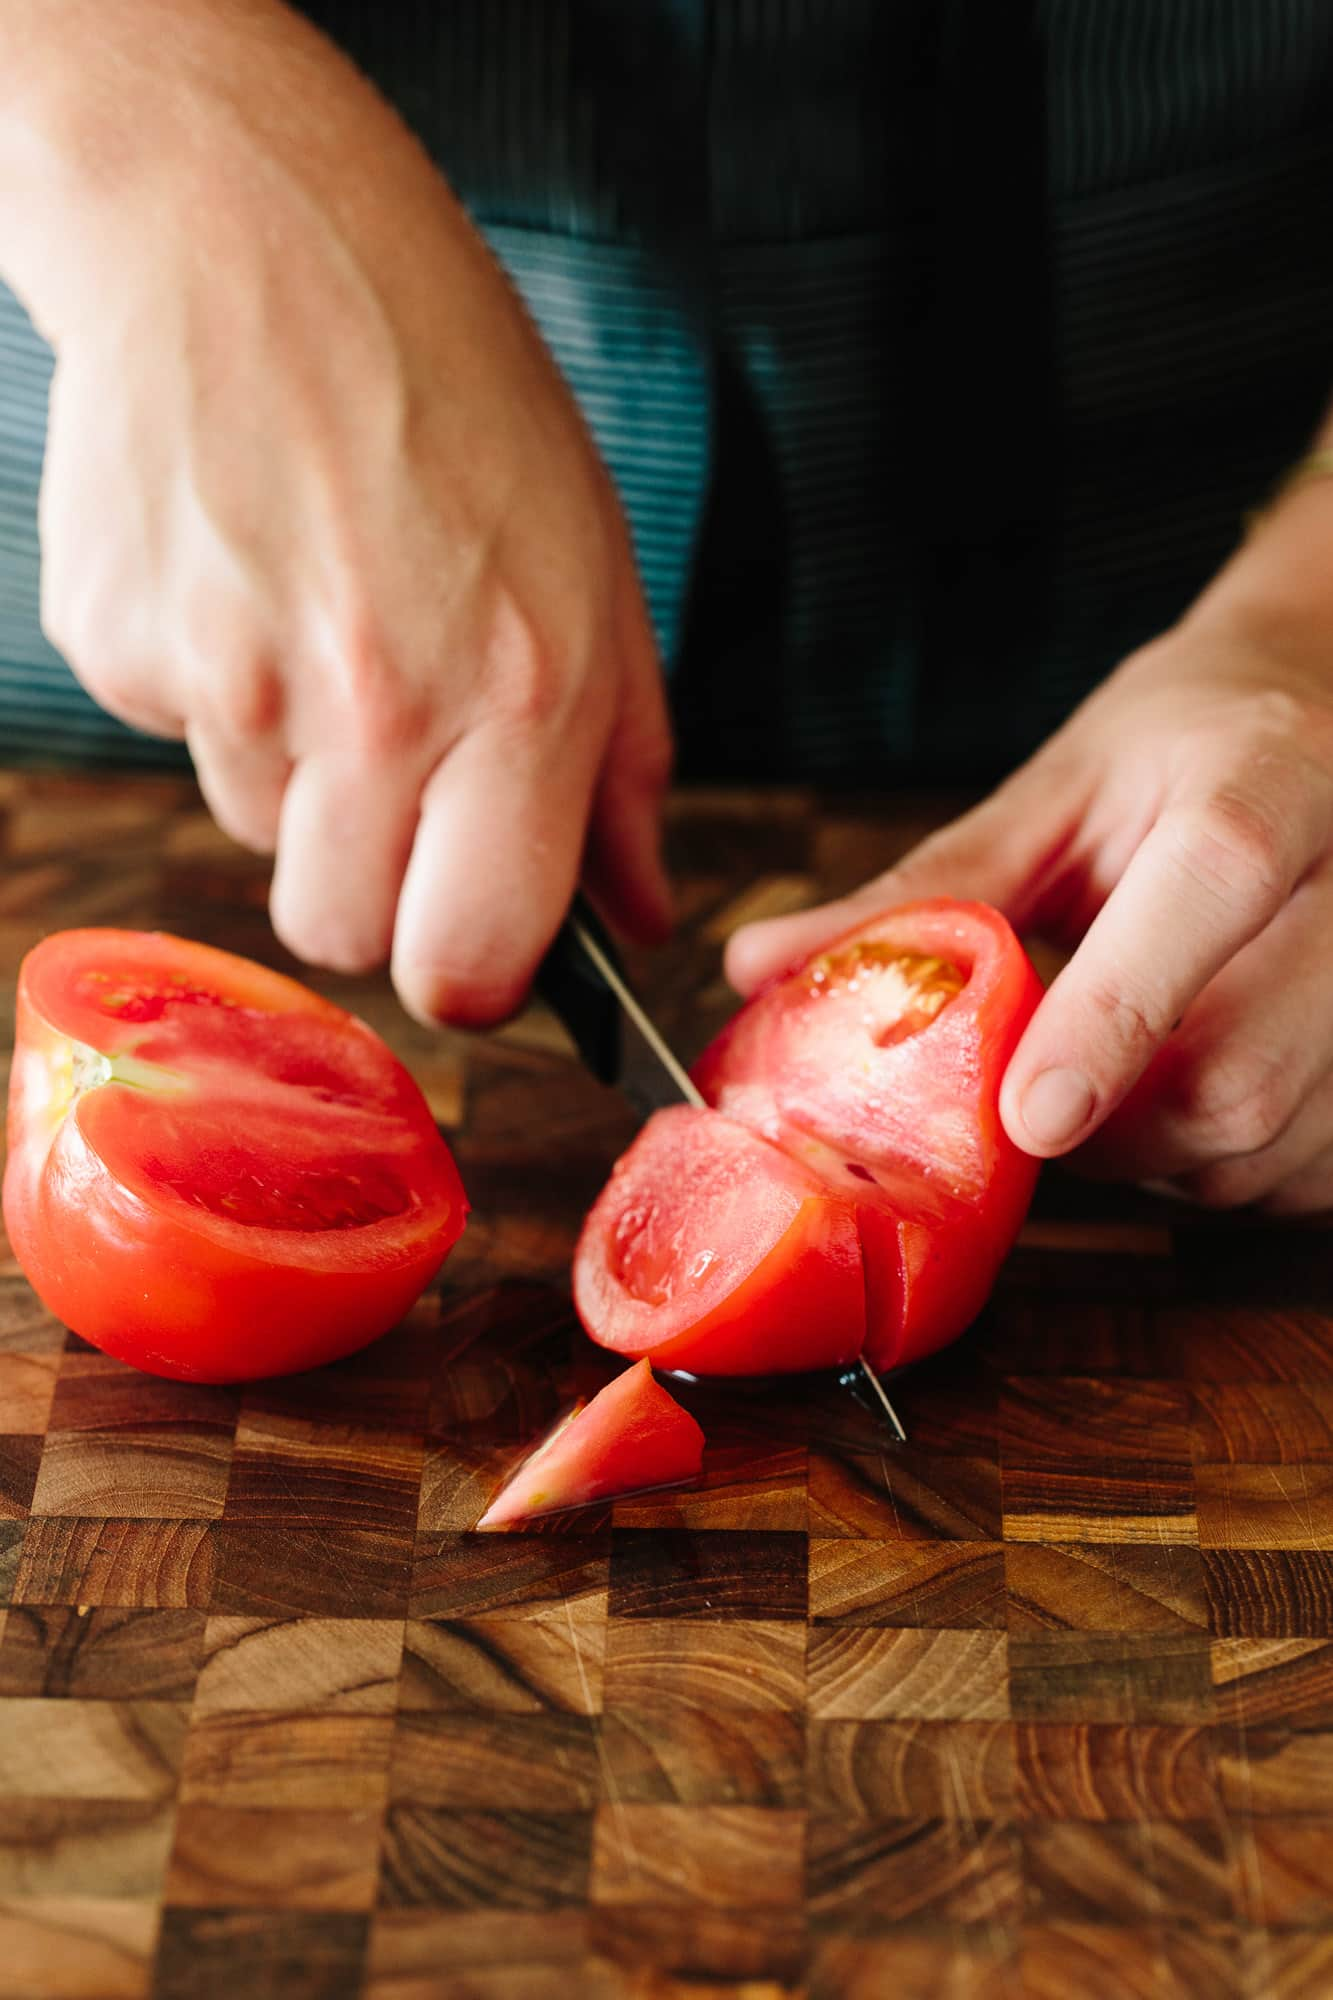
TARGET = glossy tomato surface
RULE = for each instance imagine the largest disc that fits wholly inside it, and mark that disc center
(875, 1068)
(631, 1438)
(213, 1172)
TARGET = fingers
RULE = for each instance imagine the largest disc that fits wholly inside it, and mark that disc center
(1220, 860)
(623, 865)
(344, 836)
(493, 867)
(1011, 850)
(1231, 1079)
(242, 784)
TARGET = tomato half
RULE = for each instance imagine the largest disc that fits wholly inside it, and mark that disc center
(631, 1438)
(875, 1067)
(213, 1172)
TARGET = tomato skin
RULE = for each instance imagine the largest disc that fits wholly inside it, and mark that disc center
(799, 1275)
(177, 1291)
(632, 1437)
(876, 1065)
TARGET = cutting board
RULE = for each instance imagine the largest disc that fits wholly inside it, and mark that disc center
(1041, 1705)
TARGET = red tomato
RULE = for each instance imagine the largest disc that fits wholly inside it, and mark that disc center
(875, 1068)
(630, 1438)
(214, 1173)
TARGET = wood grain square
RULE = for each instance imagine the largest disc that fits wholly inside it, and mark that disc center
(484, 1399)
(1262, 1423)
(85, 1847)
(1099, 1501)
(1105, 1587)
(897, 1494)
(159, 1565)
(459, 1482)
(1269, 1593)
(19, 1459)
(1276, 1771)
(27, 1384)
(355, 1476)
(1265, 1506)
(673, 1573)
(74, 1947)
(438, 1856)
(1284, 1870)
(501, 1666)
(172, 1472)
(316, 1665)
(932, 1584)
(335, 1762)
(1250, 1343)
(409, 1947)
(325, 1571)
(676, 1749)
(278, 1858)
(871, 1876)
(1100, 1961)
(1110, 1677)
(728, 1857)
(107, 1654)
(674, 1951)
(262, 1954)
(973, 1964)
(1082, 1313)
(520, 1576)
(1062, 1420)
(950, 1408)
(90, 1749)
(94, 1392)
(1259, 1681)
(911, 1770)
(1114, 1771)
(527, 1763)
(1127, 1872)
(26, 1327)
(11, 1553)
(862, 1674)
(737, 1664)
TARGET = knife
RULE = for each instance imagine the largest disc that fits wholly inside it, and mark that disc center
(582, 981)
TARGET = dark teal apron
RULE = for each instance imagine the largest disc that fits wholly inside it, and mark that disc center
(936, 348)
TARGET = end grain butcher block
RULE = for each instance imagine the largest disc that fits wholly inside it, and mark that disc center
(1040, 1705)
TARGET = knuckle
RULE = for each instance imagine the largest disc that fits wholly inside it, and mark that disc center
(385, 714)
(1237, 1103)
(243, 698)
(1136, 1024)
(524, 688)
(1224, 1184)
(1237, 851)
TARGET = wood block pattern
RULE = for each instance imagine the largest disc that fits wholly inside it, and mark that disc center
(1041, 1704)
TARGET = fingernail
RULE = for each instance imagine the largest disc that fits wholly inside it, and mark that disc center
(1056, 1105)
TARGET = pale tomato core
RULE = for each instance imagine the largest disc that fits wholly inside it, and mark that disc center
(904, 991)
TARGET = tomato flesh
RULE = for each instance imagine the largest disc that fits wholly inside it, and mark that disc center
(875, 1067)
(213, 1172)
(632, 1437)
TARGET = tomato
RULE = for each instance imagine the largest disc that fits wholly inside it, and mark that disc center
(630, 1438)
(213, 1172)
(874, 1069)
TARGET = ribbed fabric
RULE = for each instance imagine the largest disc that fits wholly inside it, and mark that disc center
(936, 346)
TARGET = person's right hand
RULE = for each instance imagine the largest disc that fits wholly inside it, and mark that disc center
(317, 499)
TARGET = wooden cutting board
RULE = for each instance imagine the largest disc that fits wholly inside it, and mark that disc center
(1041, 1705)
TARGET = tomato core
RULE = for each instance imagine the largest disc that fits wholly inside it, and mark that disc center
(904, 990)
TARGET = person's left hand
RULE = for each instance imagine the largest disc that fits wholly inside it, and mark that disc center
(1178, 830)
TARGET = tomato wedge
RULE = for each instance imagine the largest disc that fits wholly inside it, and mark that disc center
(875, 1069)
(630, 1438)
(213, 1172)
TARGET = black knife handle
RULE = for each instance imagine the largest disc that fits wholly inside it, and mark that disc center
(578, 996)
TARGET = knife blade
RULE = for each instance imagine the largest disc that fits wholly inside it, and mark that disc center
(583, 982)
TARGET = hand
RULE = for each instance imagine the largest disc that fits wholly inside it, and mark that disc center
(1178, 831)
(317, 500)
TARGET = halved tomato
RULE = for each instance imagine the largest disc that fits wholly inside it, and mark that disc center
(875, 1067)
(213, 1172)
(631, 1438)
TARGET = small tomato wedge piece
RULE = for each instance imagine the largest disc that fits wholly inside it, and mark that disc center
(875, 1067)
(631, 1438)
(707, 1243)
(213, 1172)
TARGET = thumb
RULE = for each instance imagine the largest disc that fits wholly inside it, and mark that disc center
(1009, 850)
